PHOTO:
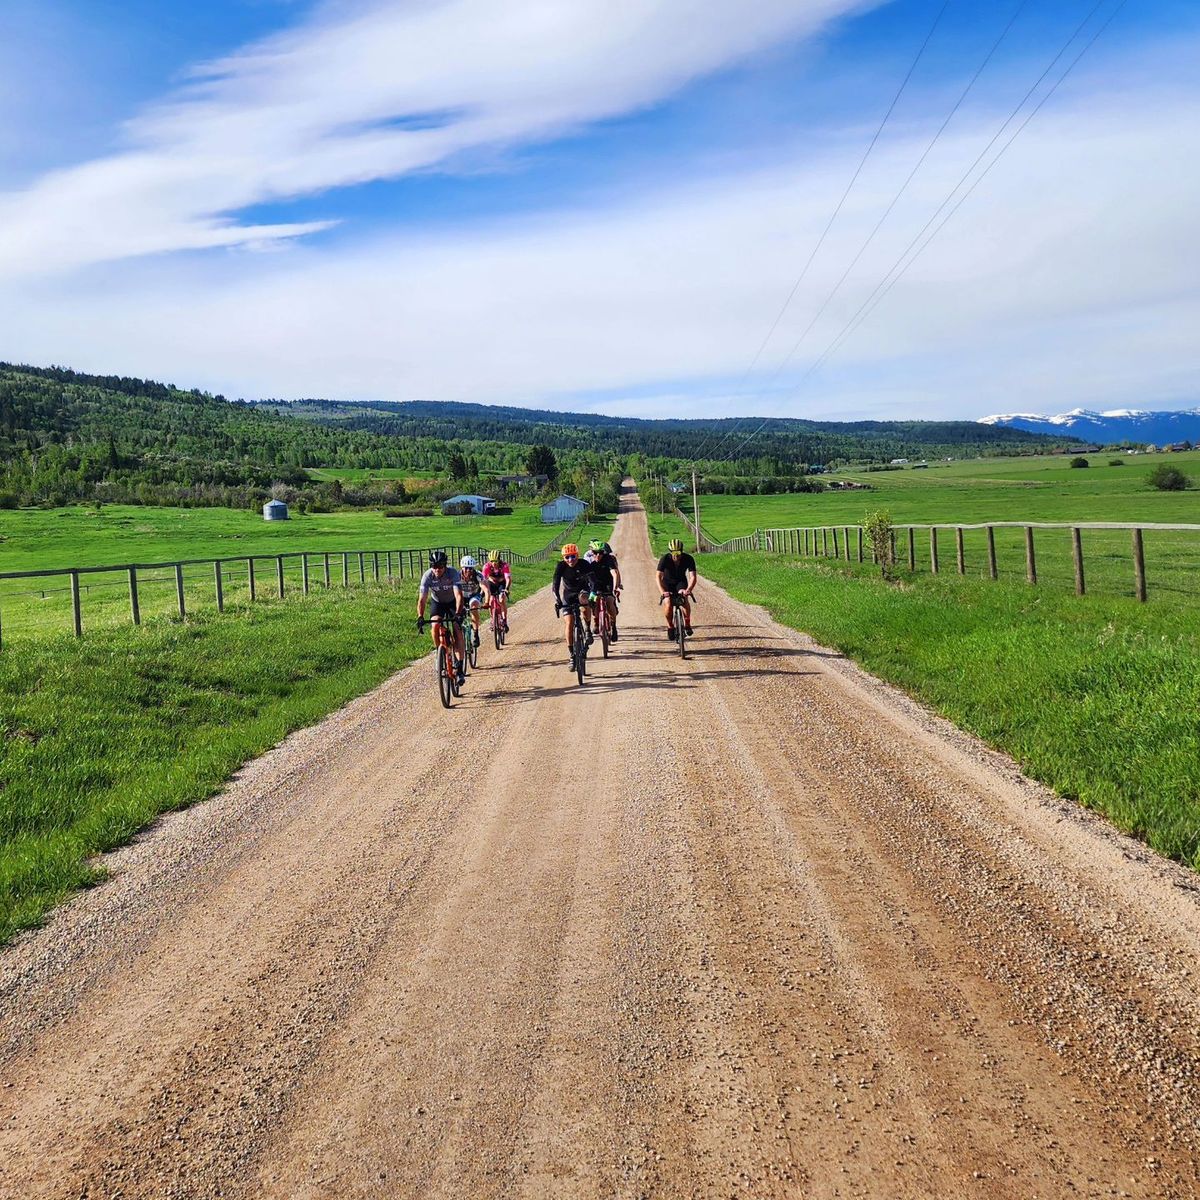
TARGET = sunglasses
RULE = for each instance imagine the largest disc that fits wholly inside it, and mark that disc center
(570, 557)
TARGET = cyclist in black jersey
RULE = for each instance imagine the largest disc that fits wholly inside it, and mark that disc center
(572, 585)
(677, 574)
(606, 579)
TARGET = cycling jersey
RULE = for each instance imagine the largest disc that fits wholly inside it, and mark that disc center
(572, 578)
(602, 573)
(498, 575)
(675, 571)
(442, 590)
(471, 583)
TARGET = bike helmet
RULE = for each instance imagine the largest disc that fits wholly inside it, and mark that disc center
(494, 556)
(570, 550)
(605, 548)
(467, 563)
(595, 546)
(437, 558)
(675, 546)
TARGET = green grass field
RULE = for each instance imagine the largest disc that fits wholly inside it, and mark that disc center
(1043, 489)
(359, 475)
(1097, 697)
(36, 539)
(100, 735)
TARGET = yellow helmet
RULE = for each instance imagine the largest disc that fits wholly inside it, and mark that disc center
(675, 546)
(494, 556)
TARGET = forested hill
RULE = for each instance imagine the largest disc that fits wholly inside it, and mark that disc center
(786, 441)
(66, 436)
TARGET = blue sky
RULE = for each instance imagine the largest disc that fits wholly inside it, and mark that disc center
(603, 205)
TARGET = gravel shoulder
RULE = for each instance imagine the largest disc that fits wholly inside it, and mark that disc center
(752, 923)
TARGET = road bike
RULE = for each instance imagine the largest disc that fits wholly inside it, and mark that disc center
(498, 619)
(447, 673)
(679, 618)
(471, 650)
(579, 646)
(603, 621)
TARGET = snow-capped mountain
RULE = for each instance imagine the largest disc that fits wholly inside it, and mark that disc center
(1105, 428)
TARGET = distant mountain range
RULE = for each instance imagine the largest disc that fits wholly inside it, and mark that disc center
(1107, 428)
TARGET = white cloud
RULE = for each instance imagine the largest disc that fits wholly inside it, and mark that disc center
(370, 91)
(1070, 278)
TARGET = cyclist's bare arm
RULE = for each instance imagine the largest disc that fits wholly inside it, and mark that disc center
(693, 580)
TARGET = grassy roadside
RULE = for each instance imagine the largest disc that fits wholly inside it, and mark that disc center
(98, 736)
(1096, 696)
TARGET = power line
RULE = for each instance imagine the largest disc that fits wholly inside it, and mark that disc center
(829, 224)
(887, 282)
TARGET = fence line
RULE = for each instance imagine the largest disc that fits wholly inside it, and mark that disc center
(818, 541)
(550, 548)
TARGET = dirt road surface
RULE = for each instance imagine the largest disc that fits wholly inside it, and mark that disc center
(746, 925)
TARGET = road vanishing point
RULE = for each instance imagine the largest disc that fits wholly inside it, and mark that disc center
(752, 924)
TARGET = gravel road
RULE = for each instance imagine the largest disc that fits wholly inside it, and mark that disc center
(747, 925)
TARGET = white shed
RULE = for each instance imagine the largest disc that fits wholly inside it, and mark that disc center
(275, 510)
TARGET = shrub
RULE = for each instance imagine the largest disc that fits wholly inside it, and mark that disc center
(879, 530)
(1080, 461)
(1116, 462)
(1168, 479)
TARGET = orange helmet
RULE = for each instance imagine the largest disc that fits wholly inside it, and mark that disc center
(570, 550)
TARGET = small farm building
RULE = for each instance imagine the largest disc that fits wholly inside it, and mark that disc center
(275, 510)
(479, 505)
(562, 508)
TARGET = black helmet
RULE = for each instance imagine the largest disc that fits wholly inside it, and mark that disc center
(437, 558)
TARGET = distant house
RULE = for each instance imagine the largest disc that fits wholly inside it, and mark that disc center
(561, 509)
(275, 510)
(899, 462)
(1081, 450)
(479, 505)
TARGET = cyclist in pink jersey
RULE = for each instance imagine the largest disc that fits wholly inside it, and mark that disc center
(497, 581)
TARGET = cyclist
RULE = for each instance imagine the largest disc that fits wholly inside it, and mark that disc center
(472, 589)
(572, 585)
(441, 582)
(497, 582)
(606, 579)
(677, 573)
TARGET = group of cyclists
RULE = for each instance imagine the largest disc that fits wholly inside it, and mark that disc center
(584, 585)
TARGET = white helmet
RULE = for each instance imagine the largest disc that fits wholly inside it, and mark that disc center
(467, 563)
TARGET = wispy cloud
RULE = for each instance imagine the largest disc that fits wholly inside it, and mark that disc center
(1070, 278)
(369, 91)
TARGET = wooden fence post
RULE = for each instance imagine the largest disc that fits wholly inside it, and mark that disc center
(135, 609)
(837, 552)
(912, 548)
(304, 570)
(960, 553)
(250, 579)
(1030, 559)
(1139, 567)
(991, 544)
(375, 561)
(179, 590)
(825, 541)
(76, 611)
(219, 585)
(362, 569)
(846, 540)
(891, 541)
(933, 553)
(1077, 555)
(389, 566)
(326, 553)
(345, 568)
(860, 544)
(279, 573)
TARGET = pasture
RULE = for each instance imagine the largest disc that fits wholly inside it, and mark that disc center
(37, 539)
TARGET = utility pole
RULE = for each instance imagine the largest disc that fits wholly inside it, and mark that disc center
(696, 510)
(662, 495)
(593, 493)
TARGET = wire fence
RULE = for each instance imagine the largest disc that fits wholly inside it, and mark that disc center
(1113, 558)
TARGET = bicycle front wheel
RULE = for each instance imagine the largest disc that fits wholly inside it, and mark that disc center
(445, 684)
(497, 630)
(680, 628)
(580, 654)
(472, 649)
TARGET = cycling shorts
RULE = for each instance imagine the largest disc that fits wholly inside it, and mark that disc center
(444, 608)
(475, 602)
(570, 599)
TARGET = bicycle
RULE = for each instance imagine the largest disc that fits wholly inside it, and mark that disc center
(603, 621)
(578, 638)
(499, 624)
(679, 618)
(469, 646)
(447, 673)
